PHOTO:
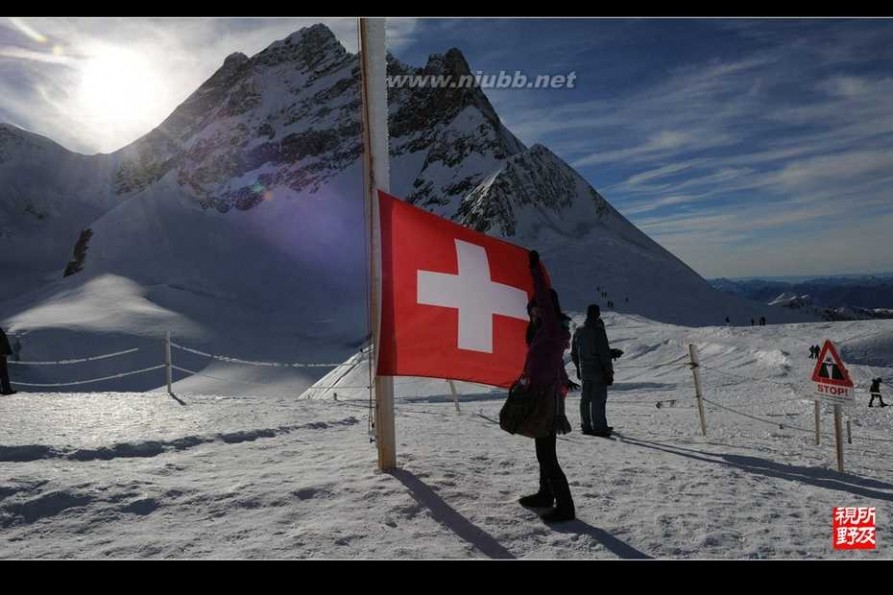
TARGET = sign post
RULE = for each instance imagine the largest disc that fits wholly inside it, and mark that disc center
(693, 353)
(818, 426)
(833, 384)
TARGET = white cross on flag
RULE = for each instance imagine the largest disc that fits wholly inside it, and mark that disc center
(454, 301)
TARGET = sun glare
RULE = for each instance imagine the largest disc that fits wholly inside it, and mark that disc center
(120, 90)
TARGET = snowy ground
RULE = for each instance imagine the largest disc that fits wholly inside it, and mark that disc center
(138, 475)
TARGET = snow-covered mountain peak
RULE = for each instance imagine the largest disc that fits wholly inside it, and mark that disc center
(531, 190)
(247, 202)
(307, 48)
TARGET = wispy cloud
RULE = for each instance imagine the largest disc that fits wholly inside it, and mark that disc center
(658, 173)
(662, 143)
(807, 175)
(864, 247)
(782, 138)
(401, 31)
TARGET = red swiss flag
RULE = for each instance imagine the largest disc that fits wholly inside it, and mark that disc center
(454, 301)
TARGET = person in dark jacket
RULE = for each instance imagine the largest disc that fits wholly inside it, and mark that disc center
(5, 350)
(875, 391)
(592, 357)
(544, 368)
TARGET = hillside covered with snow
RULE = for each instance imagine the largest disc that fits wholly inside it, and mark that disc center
(104, 475)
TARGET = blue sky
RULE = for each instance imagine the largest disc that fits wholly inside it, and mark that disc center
(746, 147)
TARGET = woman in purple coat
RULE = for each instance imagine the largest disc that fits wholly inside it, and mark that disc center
(544, 367)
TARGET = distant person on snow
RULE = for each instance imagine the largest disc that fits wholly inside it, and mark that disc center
(728, 322)
(751, 322)
(5, 350)
(875, 391)
(762, 321)
(544, 368)
(592, 354)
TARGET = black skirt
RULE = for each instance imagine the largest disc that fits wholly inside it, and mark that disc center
(534, 411)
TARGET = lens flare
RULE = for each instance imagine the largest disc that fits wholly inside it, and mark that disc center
(28, 30)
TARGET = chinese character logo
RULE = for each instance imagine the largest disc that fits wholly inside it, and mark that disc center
(854, 528)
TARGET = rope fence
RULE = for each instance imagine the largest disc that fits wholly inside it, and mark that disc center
(82, 360)
(858, 373)
(90, 381)
(169, 366)
(678, 362)
(235, 360)
(779, 425)
(783, 426)
(659, 404)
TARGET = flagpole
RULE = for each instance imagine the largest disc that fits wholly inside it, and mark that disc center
(373, 68)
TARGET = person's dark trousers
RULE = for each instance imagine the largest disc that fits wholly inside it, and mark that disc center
(586, 406)
(552, 478)
(876, 396)
(593, 400)
(4, 376)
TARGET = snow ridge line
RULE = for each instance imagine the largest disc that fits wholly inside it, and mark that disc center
(677, 361)
(792, 385)
(150, 448)
(74, 361)
(248, 383)
(194, 373)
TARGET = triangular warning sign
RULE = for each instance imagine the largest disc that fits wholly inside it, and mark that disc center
(830, 369)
